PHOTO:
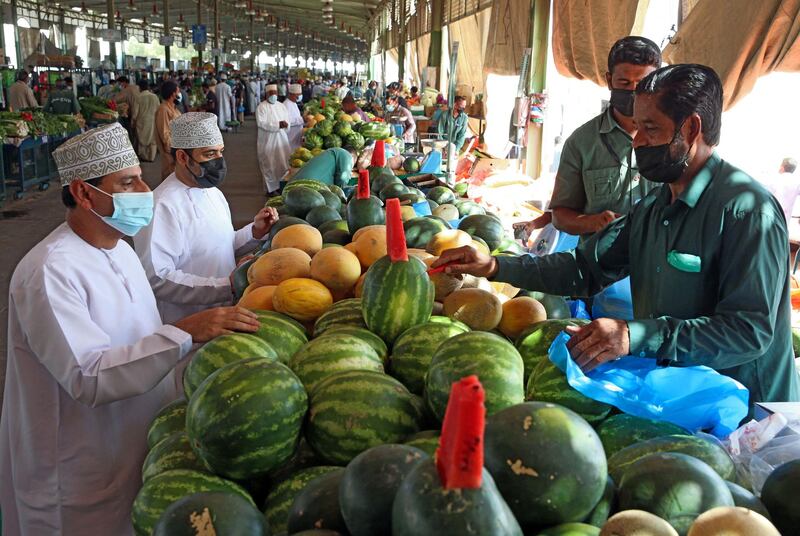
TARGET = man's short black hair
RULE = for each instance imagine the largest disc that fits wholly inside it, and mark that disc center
(144, 85)
(459, 98)
(67, 79)
(685, 89)
(789, 165)
(168, 89)
(635, 50)
(66, 195)
(123, 79)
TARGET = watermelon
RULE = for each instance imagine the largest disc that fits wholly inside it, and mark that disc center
(414, 349)
(331, 141)
(369, 485)
(324, 128)
(274, 201)
(303, 457)
(336, 237)
(365, 335)
(354, 410)
(169, 419)
(396, 296)
(173, 452)
(331, 354)
(338, 191)
(334, 225)
(332, 200)
(227, 513)
(375, 130)
(286, 335)
(441, 195)
(436, 319)
(319, 215)
(316, 506)
(779, 495)
(623, 430)
(423, 508)
(708, 449)
(494, 360)
(426, 441)
(389, 191)
(343, 129)
(549, 384)
(547, 462)
(245, 419)
(364, 212)
(411, 165)
(468, 208)
(282, 495)
(383, 179)
(603, 509)
(744, 498)
(354, 141)
(312, 140)
(314, 184)
(509, 245)
(301, 200)
(222, 351)
(282, 223)
(411, 197)
(534, 343)
(162, 490)
(239, 280)
(419, 231)
(485, 227)
(342, 313)
(673, 486)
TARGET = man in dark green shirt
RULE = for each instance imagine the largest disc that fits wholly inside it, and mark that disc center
(62, 100)
(457, 120)
(707, 252)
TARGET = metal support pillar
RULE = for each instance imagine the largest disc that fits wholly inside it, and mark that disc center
(435, 50)
(252, 44)
(216, 35)
(112, 25)
(199, 22)
(540, 22)
(167, 31)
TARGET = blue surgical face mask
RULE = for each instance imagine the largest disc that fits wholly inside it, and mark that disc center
(299, 98)
(132, 211)
(391, 107)
(179, 98)
(272, 99)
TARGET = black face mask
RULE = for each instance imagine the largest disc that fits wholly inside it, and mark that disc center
(657, 164)
(622, 101)
(212, 172)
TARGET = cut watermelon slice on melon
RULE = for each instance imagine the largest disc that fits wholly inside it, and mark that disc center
(459, 458)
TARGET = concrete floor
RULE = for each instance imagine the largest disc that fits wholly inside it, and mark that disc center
(25, 222)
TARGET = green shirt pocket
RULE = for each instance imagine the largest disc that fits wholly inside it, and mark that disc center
(600, 186)
(685, 262)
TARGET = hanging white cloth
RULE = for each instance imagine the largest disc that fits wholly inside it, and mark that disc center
(254, 95)
(296, 124)
(225, 104)
(273, 143)
(184, 252)
(89, 365)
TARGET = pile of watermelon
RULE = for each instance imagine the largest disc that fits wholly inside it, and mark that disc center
(329, 416)
(328, 126)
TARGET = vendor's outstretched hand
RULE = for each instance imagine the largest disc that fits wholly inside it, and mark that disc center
(206, 325)
(598, 342)
(263, 221)
(467, 260)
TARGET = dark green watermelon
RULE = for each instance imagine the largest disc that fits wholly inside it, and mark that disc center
(301, 200)
(468, 208)
(623, 430)
(395, 189)
(339, 225)
(441, 220)
(239, 278)
(337, 236)
(227, 513)
(779, 495)
(605, 507)
(332, 200)
(317, 506)
(485, 227)
(364, 212)
(426, 441)
(441, 195)
(535, 341)
(744, 498)
(319, 215)
(411, 197)
(419, 231)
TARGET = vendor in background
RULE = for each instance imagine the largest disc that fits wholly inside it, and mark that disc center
(457, 120)
(127, 96)
(189, 249)
(20, 94)
(350, 107)
(166, 112)
(399, 115)
(413, 99)
(210, 95)
(597, 178)
(393, 90)
(62, 100)
(332, 166)
(371, 95)
(90, 362)
(144, 117)
(701, 252)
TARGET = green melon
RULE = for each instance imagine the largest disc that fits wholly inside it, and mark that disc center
(355, 410)
(301, 200)
(446, 212)
(369, 485)
(239, 281)
(437, 319)
(441, 195)
(411, 165)
(535, 341)
(549, 384)
(306, 183)
(342, 313)
(340, 225)
(489, 229)
(365, 335)
(547, 462)
(286, 335)
(169, 419)
(173, 452)
(319, 215)
(222, 351)
(316, 506)
(494, 360)
(364, 212)
(338, 191)
(282, 495)
(469, 208)
(162, 490)
(623, 430)
(229, 515)
(330, 354)
(383, 179)
(419, 231)
(432, 205)
(332, 200)
(414, 349)
(673, 486)
(245, 419)
(389, 191)
(396, 296)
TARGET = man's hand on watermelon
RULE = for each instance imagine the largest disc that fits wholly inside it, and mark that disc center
(467, 260)
(598, 342)
(264, 221)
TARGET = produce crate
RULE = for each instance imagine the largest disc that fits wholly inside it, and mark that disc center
(27, 164)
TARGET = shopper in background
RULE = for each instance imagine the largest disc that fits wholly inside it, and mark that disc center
(226, 104)
(785, 186)
(107, 91)
(273, 141)
(283, 90)
(349, 106)
(166, 112)
(20, 95)
(186, 88)
(210, 105)
(296, 122)
(398, 115)
(239, 96)
(62, 100)
(90, 361)
(253, 94)
(126, 99)
(308, 87)
(144, 119)
(393, 90)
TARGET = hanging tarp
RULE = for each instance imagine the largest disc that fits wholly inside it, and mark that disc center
(509, 35)
(745, 40)
(583, 33)
(472, 33)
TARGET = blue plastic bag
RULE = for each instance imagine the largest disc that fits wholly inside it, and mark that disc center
(614, 301)
(577, 309)
(696, 398)
(422, 208)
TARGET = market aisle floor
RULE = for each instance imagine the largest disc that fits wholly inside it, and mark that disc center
(25, 222)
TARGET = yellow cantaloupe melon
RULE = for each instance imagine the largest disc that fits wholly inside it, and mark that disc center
(278, 265)
(303, 237)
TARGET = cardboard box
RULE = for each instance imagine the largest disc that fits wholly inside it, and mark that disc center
(427, 180)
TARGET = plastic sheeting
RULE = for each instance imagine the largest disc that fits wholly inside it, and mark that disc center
(509, 35)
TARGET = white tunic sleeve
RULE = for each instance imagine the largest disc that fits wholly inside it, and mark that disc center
(267, 119)
(243, 239)
(78, 353)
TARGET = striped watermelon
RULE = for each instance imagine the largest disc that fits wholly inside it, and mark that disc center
(549, 384)
(164, 489)
(449, 321)
(364, 334)
(286, 335)
(494, 360)
(426, 441)
(330, 354)
(245, 419)
(534, 343)
(355, 410)
(342, 313)
(228, 513)
(396, 296)
(414, 349)
(169, 419)
(222, 351)
(173, 452)
(281, 497)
